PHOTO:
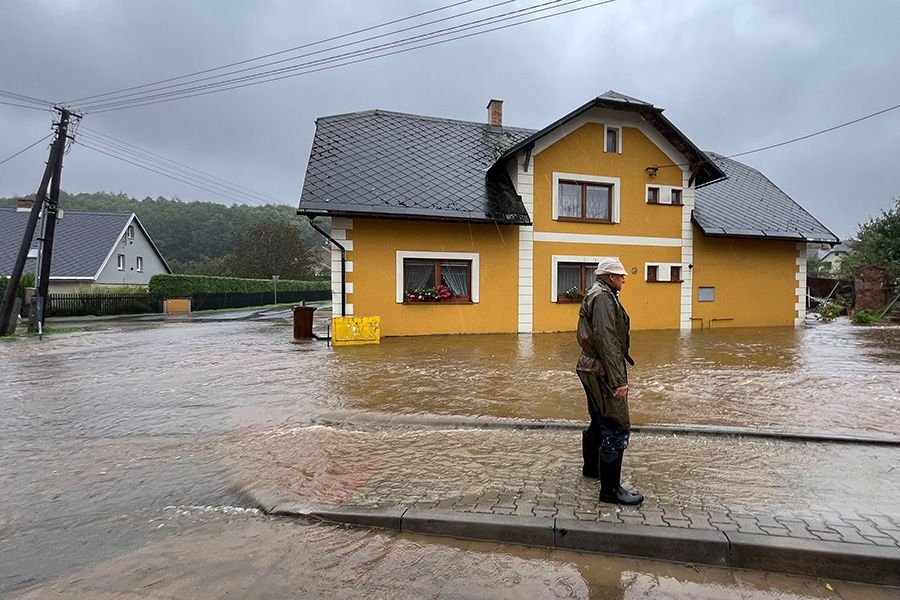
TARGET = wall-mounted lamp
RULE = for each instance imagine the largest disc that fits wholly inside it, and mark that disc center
(651, 171)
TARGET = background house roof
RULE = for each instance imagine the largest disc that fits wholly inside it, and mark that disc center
(747, 204)
(378, 163)
(81, 244)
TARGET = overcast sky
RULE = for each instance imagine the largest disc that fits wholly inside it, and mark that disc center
(733, 76)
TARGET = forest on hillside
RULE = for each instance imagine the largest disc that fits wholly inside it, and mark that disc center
(207, 238)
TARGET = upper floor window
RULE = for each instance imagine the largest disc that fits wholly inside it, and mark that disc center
(139, 264)
(120, 262)
(130, 232)
(431, 279)
(613, 139)
(652, 195)
(663, 272)
(652, 272)
(585, 201)
(676, 196)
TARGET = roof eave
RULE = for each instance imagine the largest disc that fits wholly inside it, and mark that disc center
(437, 216)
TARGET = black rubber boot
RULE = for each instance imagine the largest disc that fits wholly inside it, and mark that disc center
(611, 490)
(590, 451)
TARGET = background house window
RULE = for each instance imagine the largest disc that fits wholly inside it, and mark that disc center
(130, 232)
(426, 274)
(675, 274)
(612, 139)
(676, 197)
(585, 201)
(652, 272)
(706, 294)
(120, 262)
(652, 195)
(139, 264)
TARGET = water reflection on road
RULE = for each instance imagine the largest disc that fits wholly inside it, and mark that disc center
(115, 437)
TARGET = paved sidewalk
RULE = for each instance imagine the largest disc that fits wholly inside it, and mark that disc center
(534, 494)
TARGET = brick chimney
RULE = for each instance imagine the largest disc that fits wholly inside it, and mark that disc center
(495, 113)
(24, 204)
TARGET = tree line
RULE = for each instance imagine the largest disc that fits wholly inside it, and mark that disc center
(207, 238)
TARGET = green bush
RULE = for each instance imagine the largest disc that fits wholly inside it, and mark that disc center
(183, 286)
(831, 311)
(867, 316)
(26, 281)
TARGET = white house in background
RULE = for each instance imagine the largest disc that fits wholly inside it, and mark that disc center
(89, 248)
(832, 255)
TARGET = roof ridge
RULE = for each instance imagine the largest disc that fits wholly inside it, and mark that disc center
(392, 113)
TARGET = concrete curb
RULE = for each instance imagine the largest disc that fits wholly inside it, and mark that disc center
(337, 419)
(833, 560)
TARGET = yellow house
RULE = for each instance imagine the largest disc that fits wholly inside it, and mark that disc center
(443, 226)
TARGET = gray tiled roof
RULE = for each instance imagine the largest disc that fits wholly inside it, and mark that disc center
(81, 243)
(747, 204)
(380, 163)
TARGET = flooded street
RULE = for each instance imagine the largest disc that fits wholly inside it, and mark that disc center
(125, 446)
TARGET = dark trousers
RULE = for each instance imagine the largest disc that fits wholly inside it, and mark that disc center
(612, 436)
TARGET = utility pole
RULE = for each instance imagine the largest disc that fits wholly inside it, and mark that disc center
(52, 208)
(52, 170)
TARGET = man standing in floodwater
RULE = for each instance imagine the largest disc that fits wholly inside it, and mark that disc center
(603, 328)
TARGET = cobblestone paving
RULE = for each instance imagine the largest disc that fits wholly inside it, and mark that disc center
(549, 484)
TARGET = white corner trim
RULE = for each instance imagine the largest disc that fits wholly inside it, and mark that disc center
(471, 256)
(614, 181)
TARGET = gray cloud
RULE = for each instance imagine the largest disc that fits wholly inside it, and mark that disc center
(733, 76)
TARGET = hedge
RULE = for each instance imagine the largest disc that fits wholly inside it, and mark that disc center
(182, 286)
(26, 281)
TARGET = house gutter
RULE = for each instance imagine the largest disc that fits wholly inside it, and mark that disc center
(343, 262)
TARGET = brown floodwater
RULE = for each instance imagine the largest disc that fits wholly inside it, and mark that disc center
(124, 440)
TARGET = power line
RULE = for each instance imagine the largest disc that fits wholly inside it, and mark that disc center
(275, 75)
(156, 163)
(25, 149)
(114, 97)
(270, 55)
(24, 105)
(24, 98)
(806, 137)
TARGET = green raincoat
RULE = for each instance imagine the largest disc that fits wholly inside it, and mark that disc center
(603, 327)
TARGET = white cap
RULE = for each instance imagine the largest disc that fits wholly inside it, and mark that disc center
(610, 266)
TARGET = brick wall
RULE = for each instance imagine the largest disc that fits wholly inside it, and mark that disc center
(873, 287)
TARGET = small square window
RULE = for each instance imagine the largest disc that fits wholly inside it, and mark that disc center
(676, 197)
(612, 139)
(139, 264)
(706, 294)
(120, 262)
(675, 274)
(652, 272)
(652, 195)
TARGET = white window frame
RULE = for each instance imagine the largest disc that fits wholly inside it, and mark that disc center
(120, 262)
(665, 194)
(130, 232)
(139, 264)
(472, 257)
(618, 130)
(554, 270)
(663, 271)
(615, 182)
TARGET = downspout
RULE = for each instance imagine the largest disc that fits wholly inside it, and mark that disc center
(343, 264)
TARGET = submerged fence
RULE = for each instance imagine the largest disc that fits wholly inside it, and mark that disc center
(79, 305)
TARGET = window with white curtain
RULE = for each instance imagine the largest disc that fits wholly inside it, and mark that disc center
(425, 275)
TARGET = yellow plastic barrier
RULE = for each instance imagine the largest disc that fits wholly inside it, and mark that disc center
(346, 331)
